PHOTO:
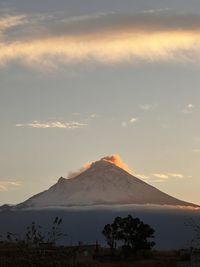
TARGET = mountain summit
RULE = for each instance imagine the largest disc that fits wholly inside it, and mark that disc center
(103, 183)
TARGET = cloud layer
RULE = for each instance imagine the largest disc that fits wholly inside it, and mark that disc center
(48, 41)
(52, 124)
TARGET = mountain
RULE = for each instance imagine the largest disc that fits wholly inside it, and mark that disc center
(103, 183)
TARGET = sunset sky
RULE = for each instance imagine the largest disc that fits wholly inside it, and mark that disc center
(83, 79)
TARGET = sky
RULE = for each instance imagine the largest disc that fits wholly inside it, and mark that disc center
(84, 79)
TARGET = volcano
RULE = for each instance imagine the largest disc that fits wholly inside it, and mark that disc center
(103, 183)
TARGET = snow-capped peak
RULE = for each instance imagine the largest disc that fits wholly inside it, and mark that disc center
(103, 183)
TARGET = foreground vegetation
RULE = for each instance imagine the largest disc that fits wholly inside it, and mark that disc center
(129, 240)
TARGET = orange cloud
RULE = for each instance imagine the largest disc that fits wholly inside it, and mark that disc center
(107, 39)
(115, 159)
(111, 48)
(11, 21)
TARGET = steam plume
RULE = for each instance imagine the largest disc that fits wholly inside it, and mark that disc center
(114, 159)
(73, 174)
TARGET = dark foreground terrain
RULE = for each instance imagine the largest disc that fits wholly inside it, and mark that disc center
(86, 224)
(82, 256)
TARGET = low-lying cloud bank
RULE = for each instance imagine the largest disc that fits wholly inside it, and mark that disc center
(50, 41)
(9, 185)
(147, 207)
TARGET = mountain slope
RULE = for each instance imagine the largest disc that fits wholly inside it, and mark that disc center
(102, 184)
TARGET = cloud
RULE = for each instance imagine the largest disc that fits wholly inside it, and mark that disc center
(147, 107)
(9, 185)
(46, 42)
(132, 120)
(188, 109)
(94, 115)
(166, 176)
(52, 124)
(11, 21)
(190, 106)
(176, 175)
(114, 159)
(142, 176)
(73, 174)
(161, 175)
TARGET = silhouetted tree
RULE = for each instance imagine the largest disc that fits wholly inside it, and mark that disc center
(131, 232)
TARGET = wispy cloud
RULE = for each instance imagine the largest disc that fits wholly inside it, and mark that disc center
(147, 107)
(142, 176)
(166, 176)
(52, 124)
(106, 38)
(155, 178)
(188, 109)
(176, 175)
(8, 185)
(133, 120)
(11, 21)
(161, 175)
